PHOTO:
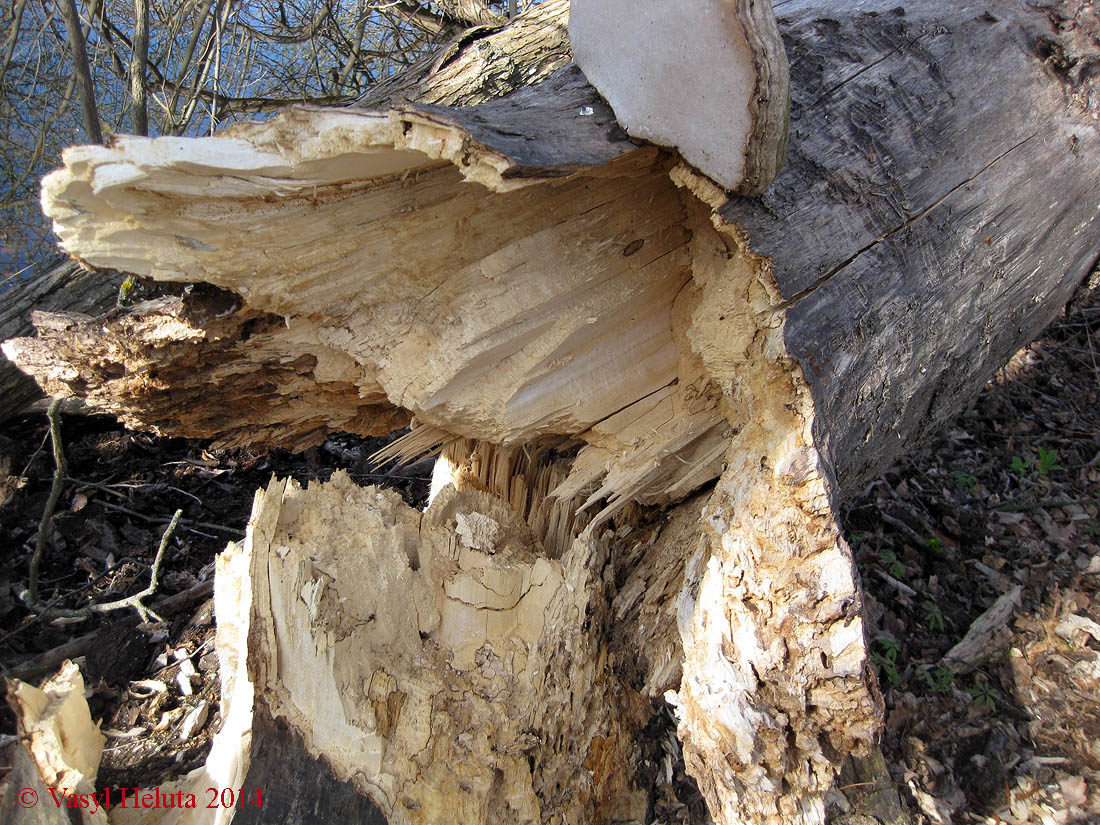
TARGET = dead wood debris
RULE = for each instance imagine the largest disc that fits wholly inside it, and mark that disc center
(1011, 738)
(985, 647)
(29, 595)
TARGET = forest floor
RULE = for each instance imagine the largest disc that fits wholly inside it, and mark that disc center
(1003, 510)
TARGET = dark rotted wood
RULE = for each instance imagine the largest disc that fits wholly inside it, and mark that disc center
(938, 208)
(871, 793)
(24, 784)
(64, 287)
(293, 786)
(249, 357)
(549, 130)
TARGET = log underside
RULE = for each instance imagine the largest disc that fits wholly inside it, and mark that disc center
(61, 288)
(590, 333)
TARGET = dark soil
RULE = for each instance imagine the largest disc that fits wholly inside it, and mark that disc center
(1009, 496)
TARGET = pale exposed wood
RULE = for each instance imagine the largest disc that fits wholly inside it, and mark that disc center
(617, 235)
(776, 680)
(458, 682)
(64, 743)
(708, 78)
(576, 321)
(831, 327)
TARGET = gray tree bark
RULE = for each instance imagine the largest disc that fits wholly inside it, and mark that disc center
(65, 287)
(139, 60)
(82, 71)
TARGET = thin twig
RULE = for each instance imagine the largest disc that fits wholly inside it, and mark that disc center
(918, 540)
(135, 601)
(166, 606)
(187, 524)
(45, 611)
(154, 487)
(30, 599)
(106, 488)
(1015, 507)
(34, 456)
(1092, 353)
(51, 503)
(901, 587)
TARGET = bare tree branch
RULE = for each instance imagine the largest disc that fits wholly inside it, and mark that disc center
(357, 44)
(171, 124)
(425, 20)
(470, 12)
(81, 70)
(139, 59)
(293, 34)
(13, 37)
(60, 467)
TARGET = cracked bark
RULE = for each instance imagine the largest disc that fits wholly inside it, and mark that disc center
(649, 399)
(877, 303)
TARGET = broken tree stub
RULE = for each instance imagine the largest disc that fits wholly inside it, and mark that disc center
(708, 77)
(648, 398)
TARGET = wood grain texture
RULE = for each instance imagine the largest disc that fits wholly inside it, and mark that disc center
(465, 682)
(483, 63)
(769, 103)
(938, 208)
(573, 126)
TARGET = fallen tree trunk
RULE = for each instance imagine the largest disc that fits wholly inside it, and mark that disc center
(592, 334)
(61, 288)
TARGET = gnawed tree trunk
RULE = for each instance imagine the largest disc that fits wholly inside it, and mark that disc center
(592, 334)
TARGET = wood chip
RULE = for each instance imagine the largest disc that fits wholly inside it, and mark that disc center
(1073, 627)
(988, 634)
(194, 721)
